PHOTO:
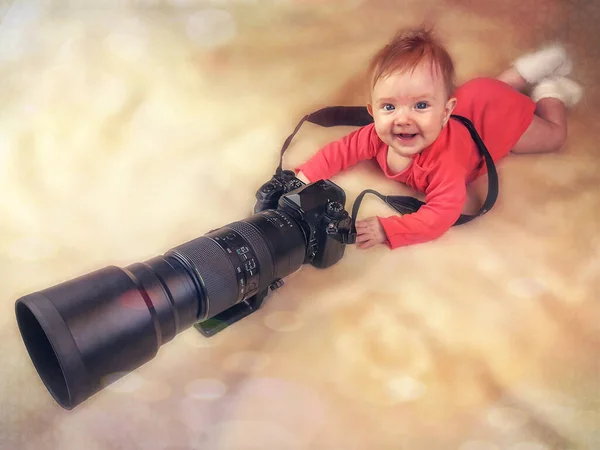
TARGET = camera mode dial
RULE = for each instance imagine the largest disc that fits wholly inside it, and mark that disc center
(269, 187)
(335, 210)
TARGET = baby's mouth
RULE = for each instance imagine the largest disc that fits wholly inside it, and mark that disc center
(405, 136)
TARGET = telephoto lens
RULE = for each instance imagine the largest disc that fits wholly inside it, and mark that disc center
(86, 333)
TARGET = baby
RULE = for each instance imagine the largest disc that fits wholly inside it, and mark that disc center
(415, 141)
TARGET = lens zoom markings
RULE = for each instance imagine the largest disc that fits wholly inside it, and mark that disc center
(244, 261)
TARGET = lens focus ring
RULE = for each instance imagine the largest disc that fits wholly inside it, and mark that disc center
(213, 267)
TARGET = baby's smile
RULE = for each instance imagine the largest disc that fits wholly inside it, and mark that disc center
(406, 137)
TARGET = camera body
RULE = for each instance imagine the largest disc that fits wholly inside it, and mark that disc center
(319, 210)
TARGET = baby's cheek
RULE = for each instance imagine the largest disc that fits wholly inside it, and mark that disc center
(434, 128)
(381, 131)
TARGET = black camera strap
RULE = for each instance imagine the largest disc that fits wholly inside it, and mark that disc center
(359, 116)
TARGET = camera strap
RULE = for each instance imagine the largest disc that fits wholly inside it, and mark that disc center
(359, 116)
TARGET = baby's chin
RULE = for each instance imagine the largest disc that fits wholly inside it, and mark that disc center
(403, 150)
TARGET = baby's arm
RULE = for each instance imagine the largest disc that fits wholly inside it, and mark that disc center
(339, 155)
(445, 199)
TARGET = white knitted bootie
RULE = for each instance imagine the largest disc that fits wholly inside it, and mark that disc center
(566, 90)
(549, 61)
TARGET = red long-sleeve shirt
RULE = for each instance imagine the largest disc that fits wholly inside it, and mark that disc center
(442, 170)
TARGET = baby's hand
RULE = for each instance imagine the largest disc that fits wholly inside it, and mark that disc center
(369, 232)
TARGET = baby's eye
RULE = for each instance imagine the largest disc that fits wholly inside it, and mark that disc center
(388, 107)
(422, 105)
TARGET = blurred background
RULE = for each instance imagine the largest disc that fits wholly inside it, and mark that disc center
(129, 127)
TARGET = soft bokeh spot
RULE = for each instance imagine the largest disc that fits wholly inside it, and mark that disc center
(507, 419)
(124, 382)
(283, 321)
(405, 389)
(526, 287)
(210, 27)
(246, 362)
(129, 40)
(206, 389)
(136, 386)
(153, 391)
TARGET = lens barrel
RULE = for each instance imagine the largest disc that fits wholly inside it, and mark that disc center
(85, 333)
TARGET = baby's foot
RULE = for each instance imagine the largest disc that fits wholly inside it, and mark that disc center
(549, 61)
(562, 88)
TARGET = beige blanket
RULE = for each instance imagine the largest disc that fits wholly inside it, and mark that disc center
(129, 127)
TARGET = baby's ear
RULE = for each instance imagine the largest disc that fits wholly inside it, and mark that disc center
(450, 105)
(370, 109)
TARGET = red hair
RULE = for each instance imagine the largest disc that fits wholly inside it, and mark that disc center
(407, 50)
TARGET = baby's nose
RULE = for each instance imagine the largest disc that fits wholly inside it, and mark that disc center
(402, 117)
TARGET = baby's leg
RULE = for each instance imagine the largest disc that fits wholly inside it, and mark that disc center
(513, 78)
(548, 130)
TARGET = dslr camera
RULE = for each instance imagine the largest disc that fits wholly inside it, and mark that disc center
(113, 320)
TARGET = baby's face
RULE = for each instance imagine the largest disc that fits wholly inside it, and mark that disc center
(410, 109)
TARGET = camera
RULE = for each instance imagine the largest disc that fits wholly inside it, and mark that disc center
(87, 332)
(317, 207)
